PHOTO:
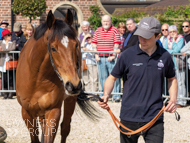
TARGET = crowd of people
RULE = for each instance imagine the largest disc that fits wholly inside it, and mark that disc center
(110, 38)
(11, 41)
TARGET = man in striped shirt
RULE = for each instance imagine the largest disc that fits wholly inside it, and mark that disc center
(106, 38)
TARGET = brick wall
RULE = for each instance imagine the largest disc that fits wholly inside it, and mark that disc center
(5, 10)
(147, 10)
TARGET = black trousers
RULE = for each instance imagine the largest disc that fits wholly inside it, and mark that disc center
(7, 78)
(153, 135)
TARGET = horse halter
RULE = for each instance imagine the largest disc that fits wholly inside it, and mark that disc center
(52, 63)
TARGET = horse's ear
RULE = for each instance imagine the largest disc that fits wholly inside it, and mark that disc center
(50, 19)
(69, 17)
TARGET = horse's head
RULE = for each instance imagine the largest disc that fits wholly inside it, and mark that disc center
(64, 51)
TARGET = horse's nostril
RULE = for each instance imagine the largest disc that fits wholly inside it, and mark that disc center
(69, 86)
(79, 85)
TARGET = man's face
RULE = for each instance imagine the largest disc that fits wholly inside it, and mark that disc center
(85, 28)
(148, 43)
(130, 25)
(4, 26)
(185, 27)
(17, 33)
(165, 30)
(106, 23)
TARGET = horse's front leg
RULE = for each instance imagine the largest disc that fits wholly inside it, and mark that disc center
(32, 126)
(69, 106)
(52, 118)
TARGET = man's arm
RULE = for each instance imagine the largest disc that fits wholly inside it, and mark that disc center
(172, 87)
(108, 87)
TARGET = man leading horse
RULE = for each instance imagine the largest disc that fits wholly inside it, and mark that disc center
(145, 66)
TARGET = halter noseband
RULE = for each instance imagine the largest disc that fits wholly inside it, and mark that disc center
(52, 63)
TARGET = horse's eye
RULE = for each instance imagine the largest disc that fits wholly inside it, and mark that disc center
(53, 49)
(76, 45)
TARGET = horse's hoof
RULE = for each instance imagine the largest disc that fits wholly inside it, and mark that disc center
(3, 134)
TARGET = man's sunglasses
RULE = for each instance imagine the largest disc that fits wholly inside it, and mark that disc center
(164, 29)
(185, 26)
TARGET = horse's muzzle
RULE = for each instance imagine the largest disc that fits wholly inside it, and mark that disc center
(71, 89)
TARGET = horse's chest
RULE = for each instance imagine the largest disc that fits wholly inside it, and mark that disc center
(38, 106)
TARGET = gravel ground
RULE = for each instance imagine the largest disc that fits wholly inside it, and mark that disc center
(85, 131)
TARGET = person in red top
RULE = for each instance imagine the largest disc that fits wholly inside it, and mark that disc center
(106, 38)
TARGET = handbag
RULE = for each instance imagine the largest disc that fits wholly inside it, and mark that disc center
(84, 66)
(180, 62)
(11, 65)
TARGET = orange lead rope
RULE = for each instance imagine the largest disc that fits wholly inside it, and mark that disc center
(143, 128)
(140, 130)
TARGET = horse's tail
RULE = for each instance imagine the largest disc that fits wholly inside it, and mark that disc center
(87, 107)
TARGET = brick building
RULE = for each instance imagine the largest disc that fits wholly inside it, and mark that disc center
(80, 8)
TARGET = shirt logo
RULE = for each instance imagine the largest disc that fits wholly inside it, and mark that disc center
(137, 64)
(160, 64)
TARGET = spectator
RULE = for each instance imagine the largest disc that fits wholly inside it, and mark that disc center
(122, 31)
(18, 35)
(90, 75)
(173, 45)
(85, 25)
(28, 32)
(106, 38)
(3, 25)
(186, 30)
(165, 33)
(130, 38)
(142, 95)
(186, 35)
(7, 45)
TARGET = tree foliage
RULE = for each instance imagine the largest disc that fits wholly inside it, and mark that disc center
(29, 8)
(95, 19)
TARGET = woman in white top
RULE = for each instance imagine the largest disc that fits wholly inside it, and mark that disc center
(6, 45)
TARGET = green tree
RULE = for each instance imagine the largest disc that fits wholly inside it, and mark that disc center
(95, 19)
(29, 8)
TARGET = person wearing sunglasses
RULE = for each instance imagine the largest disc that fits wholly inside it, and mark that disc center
(6, 45)
(186, 30)
(173, 45)
(165, 33)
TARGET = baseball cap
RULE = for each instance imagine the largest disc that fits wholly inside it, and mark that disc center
(148, 27)
(17, 27)
(4, 22)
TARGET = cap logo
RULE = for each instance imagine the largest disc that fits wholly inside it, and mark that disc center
(145, 25)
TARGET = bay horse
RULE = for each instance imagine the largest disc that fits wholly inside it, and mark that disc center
(48, 73)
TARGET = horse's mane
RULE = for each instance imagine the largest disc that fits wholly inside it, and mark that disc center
(59, 29)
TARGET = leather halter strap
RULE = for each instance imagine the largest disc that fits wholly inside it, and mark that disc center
(52, 63)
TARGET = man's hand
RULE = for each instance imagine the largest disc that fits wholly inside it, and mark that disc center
(97, 58)
(171, 107)
(104, 104)
(110, 58)
(118, 51)
(184, 54)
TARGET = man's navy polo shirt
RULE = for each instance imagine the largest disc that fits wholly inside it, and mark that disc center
(142, 94)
